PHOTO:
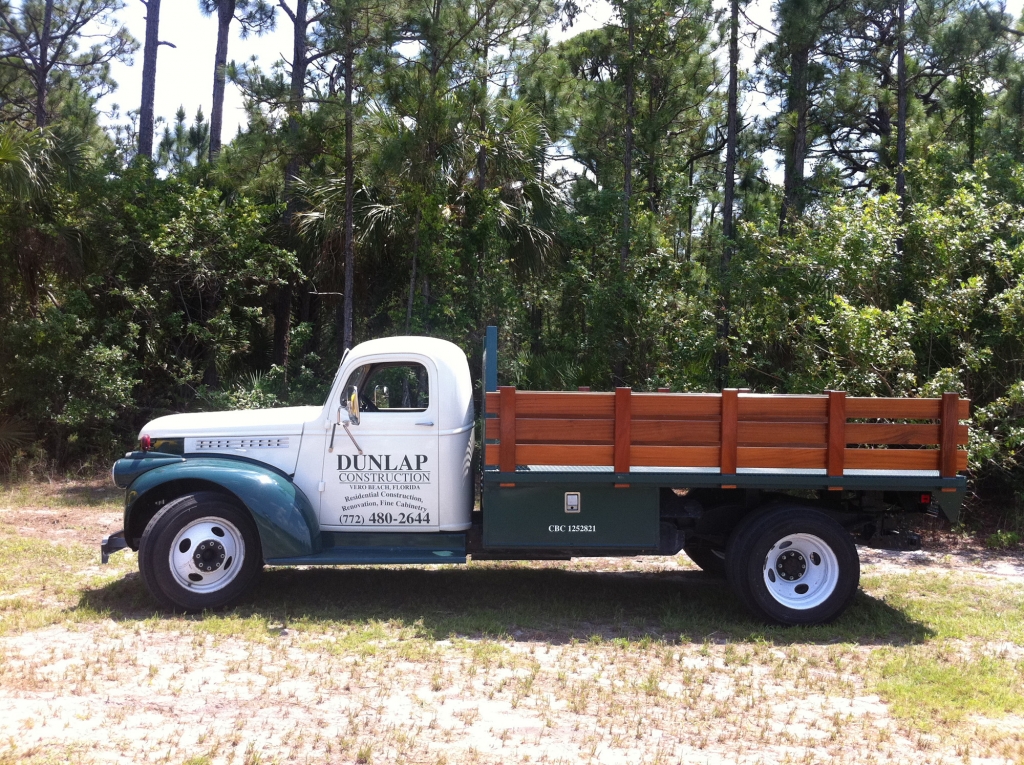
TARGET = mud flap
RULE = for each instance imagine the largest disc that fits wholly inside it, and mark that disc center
(112, 544)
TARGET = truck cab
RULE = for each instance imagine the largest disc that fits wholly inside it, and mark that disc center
(379, 461)
(392, 449)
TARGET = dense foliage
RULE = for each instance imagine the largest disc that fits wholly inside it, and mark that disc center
(407, 172)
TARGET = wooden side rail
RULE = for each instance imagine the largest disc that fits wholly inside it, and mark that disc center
(731, 430)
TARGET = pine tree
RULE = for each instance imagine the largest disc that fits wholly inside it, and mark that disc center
(255, 17)
(41, 40)
(146, 110)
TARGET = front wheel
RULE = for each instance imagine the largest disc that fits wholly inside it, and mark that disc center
(199, 552)
(793, 565)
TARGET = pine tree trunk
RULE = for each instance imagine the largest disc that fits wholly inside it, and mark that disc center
(901, 109)
(728, 203)
(225, 12)
(282, 324)
(146, 116)
(653, 166)
(689, 209)
(481, 163)
(796, 154)
(350, 180)
(211, 376)
(481, 154)
(627, 159)
(886, 159)
(656, 93)
(283, 303)
(295, 93)
(732, 134)
(481, 157)
(412, 273)
(43, 70)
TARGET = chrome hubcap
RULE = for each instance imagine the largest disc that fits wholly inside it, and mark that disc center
(207, 555)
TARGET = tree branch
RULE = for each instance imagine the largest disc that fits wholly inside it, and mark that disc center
(284, 6)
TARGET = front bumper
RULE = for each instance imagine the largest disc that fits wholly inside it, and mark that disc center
(112, 544)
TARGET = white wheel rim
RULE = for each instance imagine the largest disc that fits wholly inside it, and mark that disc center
(207, 555)
(801, 571)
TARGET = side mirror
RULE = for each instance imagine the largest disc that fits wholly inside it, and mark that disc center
(352, 404)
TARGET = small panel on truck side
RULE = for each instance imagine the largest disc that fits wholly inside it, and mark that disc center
(562, 516)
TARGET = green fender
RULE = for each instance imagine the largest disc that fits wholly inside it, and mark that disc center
(287, 524)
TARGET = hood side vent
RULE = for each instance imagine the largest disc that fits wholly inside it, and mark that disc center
(241, 443)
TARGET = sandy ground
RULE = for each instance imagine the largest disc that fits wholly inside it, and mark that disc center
(141, 690)
(181, 697)
(81, 513)
(974, 559)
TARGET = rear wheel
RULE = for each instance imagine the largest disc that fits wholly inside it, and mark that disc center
(793, 565)
(199, 552)
(710, 558)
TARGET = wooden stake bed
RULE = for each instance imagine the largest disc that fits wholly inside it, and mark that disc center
(728, 431)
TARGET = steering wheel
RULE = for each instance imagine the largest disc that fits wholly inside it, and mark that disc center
(366, 404)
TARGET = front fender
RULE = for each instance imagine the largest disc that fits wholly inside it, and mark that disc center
(287, 524)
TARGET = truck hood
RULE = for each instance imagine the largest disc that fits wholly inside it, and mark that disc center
(286, 421)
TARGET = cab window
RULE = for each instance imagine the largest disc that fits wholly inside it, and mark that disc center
(394, 386)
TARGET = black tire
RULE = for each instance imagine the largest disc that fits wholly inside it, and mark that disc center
(711, 559)
(228, 538)
(767, 571)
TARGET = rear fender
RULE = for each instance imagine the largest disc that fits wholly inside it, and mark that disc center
(284, 517)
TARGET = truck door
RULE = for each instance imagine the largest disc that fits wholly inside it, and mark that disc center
(392, 485)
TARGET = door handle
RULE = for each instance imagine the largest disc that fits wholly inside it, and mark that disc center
(427, 423)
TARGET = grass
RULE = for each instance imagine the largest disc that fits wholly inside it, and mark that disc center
(640, 661)
(63, 494)
(501, 601)
(42, 583)
(951, 606)
(943, 687)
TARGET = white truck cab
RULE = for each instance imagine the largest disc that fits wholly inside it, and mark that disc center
(399, 461)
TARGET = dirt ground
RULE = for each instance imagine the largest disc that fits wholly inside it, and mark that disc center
(966, 559)
(481, 664)
(297, 700)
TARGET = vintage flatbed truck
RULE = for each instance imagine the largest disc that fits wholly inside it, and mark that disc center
(771, 491)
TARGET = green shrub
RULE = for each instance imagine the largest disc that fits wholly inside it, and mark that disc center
(1003, 540)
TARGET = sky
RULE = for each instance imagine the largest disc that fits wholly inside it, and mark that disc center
(185, 72)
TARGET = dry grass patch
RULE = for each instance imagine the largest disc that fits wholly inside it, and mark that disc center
(66, 511)
(294, 698)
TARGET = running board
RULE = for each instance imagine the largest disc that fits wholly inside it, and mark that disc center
(357, 549)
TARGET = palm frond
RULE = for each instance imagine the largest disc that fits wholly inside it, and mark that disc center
(14, 434)
(33, 163)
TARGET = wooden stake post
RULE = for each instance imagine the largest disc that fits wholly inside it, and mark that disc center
(948, 426)
(623, 431)
(730, 427)
(836, 455)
